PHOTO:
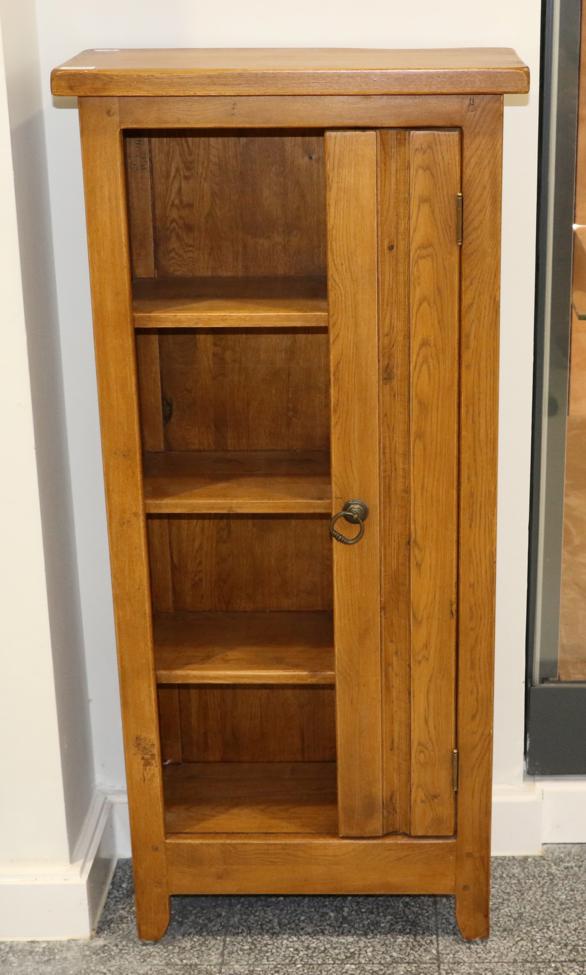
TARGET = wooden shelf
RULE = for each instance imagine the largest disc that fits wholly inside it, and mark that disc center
(282, 302)
(259, 797)
(244, 648)
(208, 482)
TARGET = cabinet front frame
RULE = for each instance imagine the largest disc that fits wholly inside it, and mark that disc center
(479, 117)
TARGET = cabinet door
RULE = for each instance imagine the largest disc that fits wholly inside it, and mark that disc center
(393, 273)
(351, 170)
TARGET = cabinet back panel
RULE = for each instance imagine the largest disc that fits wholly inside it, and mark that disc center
(245, 390)
(238, 563)
(244, 724)
(216, 204)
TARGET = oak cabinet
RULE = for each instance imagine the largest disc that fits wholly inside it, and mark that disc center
(295, 278)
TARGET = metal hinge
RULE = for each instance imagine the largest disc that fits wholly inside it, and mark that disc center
(459, 219)
(455, 769)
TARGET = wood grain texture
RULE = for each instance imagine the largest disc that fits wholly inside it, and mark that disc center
(258, 724)
(105, 195)
(395, 371)
(246, 391)
(244, 648)
(294, 112)
(153, 438)
(351, 160)
(263, 482)
(289, 71)
(258, 797)
(250, 563)
(482, 163)
(139, 205)
(281, 723)
(207, 226)
(160, 565)
(434, 329)
(170, 724)
(309, 865)
(253, 564)
(150, 396)
(162, 601)
(223, 302)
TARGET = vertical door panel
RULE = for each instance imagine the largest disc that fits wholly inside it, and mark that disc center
(419, 179)
(395, 369)
(351, 168)
(434, 160)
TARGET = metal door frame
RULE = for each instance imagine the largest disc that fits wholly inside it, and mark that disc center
(556, 711)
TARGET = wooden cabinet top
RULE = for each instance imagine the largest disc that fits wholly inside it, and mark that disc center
(291, 71)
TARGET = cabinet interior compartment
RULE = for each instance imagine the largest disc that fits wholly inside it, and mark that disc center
(230, 313)
(227, 228)
(243, 637)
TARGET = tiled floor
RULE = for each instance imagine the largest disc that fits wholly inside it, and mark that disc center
(538, 928)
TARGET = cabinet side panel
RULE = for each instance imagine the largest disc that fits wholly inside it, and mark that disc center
(153, 439)
(142, 249)
(351, 177)
(163, 602)
(105, 192)
(482, 163)
(140, 205)
(394, 250)
(434, 312)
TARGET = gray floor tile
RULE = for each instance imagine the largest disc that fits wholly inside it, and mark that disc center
(317, 932)
(51, 957)
(302, 968)
(517, 968)
(538, 913)
(90, 958)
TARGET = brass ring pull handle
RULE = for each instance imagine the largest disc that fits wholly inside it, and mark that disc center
(355, 512)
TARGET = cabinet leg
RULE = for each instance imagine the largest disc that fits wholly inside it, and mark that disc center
(153, 910)
(472, 912)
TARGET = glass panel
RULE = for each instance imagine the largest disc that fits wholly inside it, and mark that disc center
(557, 623)
(572, 638)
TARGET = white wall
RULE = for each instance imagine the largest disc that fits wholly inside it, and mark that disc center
(47, 760)
(63, 30)
(56, 836)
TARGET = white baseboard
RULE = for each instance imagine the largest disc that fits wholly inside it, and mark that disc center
(564, 810)
(539, 811)
(61, 901)
(121, 824)
(516, 820)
